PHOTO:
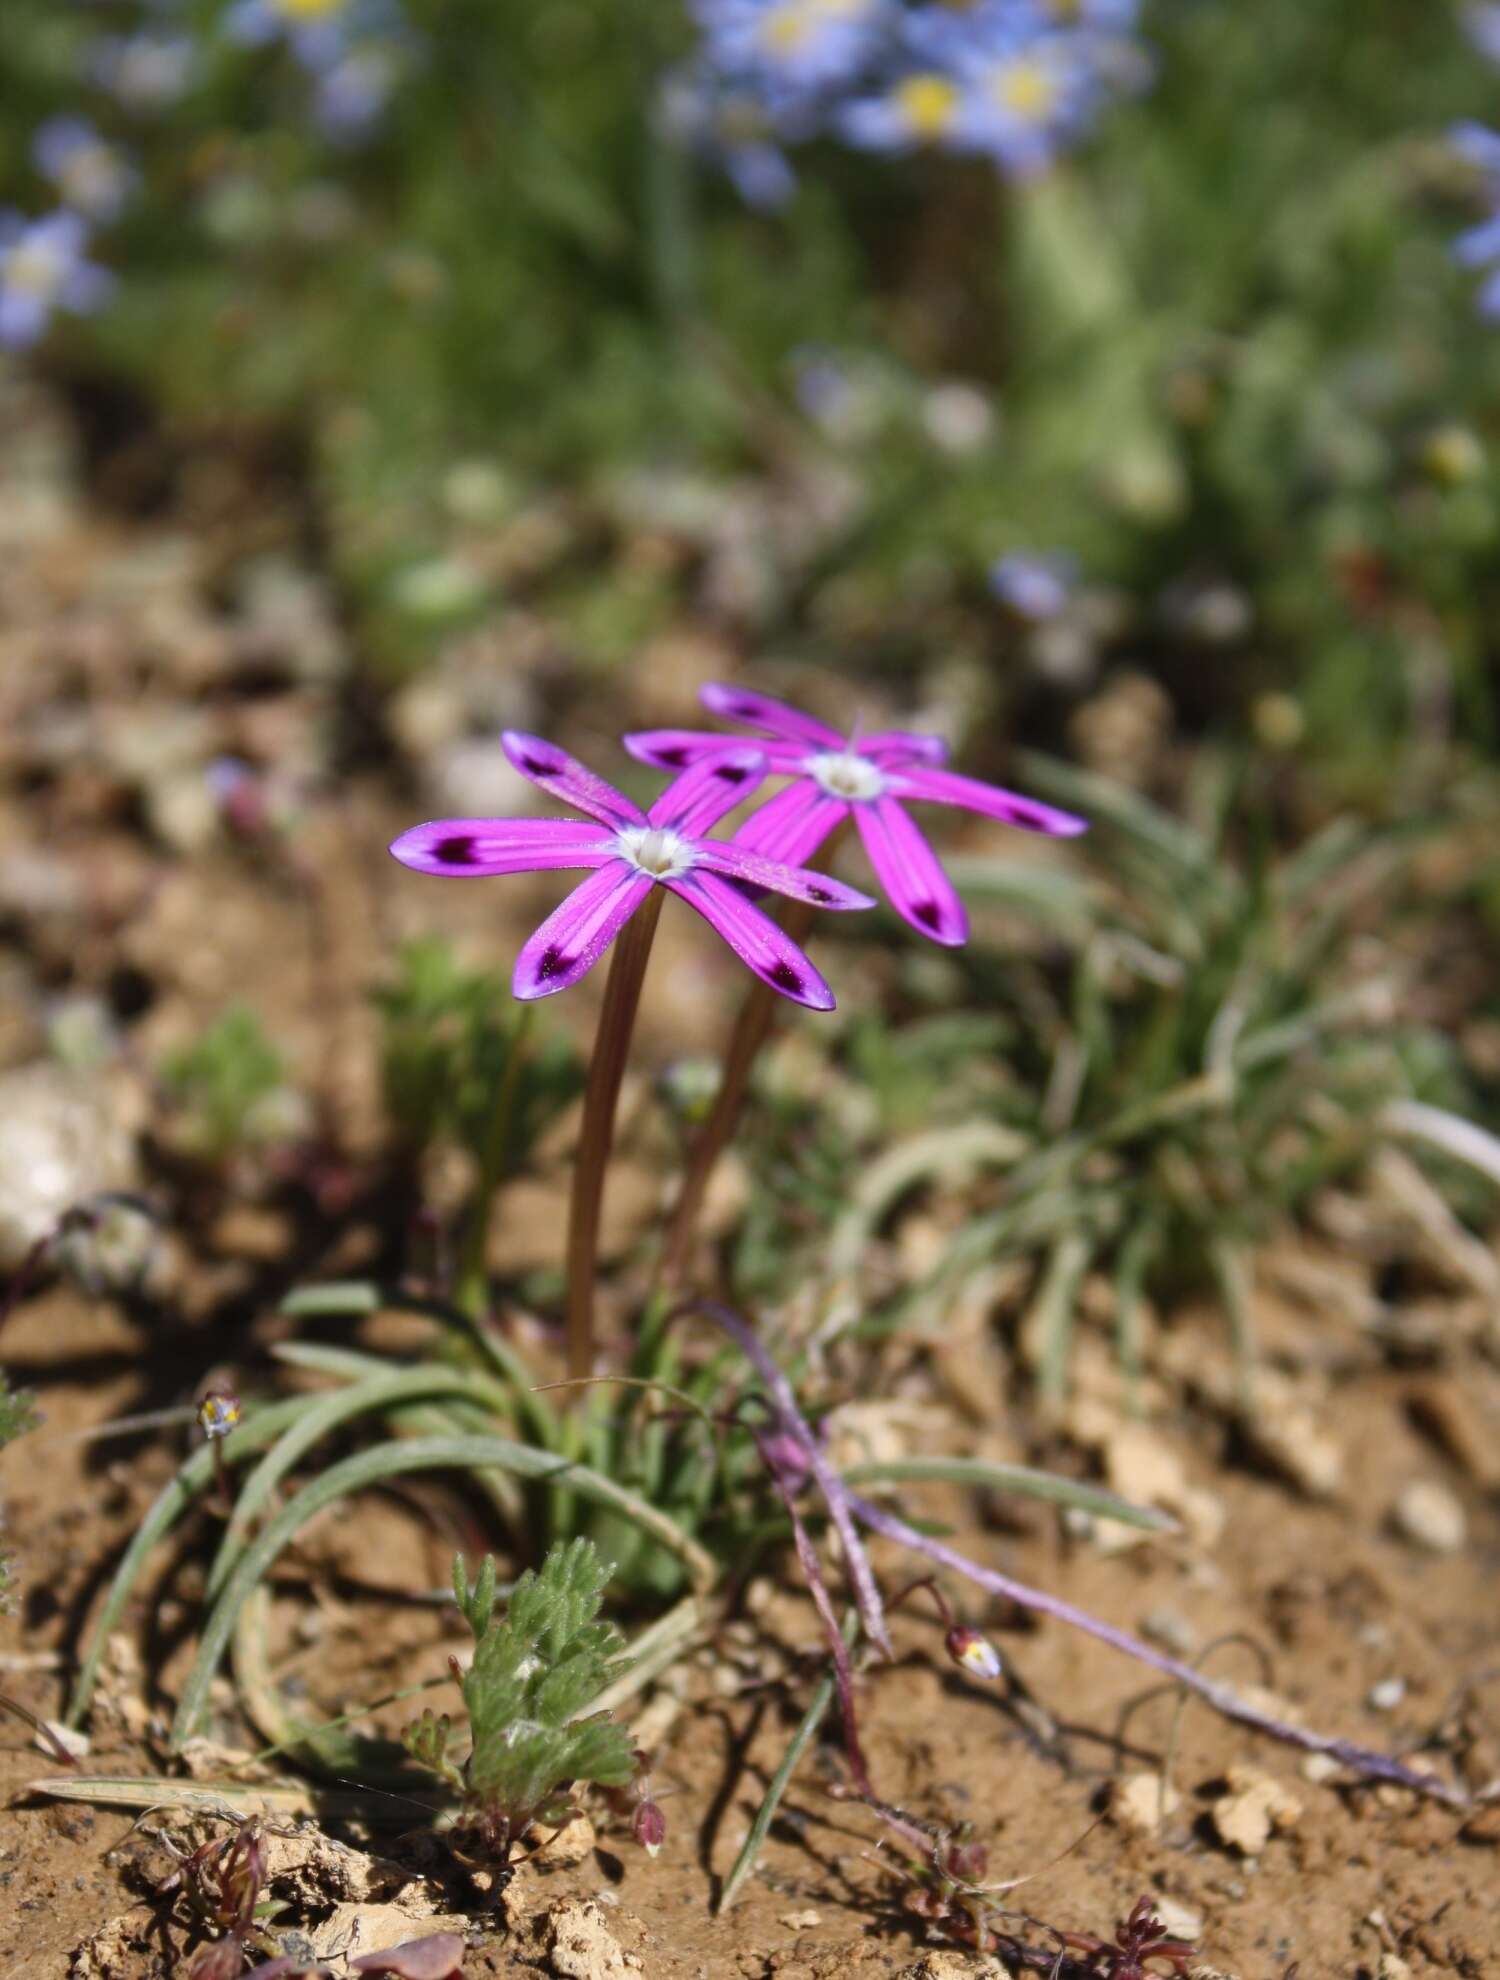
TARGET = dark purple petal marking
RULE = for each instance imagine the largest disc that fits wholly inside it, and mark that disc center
(759, 711)
(754, 937)
(908, 869)
(752, 870)
(708, 788)
(566, 778)
(465, 848)
(891, 748)
(675, 749)
(576, 934)
(989, 800)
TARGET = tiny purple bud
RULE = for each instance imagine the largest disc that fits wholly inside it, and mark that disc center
(967, 1863)
(649, 1826)
(975, 1652)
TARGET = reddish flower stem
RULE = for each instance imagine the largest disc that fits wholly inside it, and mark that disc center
(752, 1026)
(622, 998)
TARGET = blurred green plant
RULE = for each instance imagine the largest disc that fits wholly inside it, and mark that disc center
(17, 1416)
(1230, 1033)
(1222, 356)
(536, 1669)
(229, 1091)
(460, 1067)
(451, 1040)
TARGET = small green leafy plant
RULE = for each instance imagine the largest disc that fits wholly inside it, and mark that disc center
(535, 1669)
(229, 1090)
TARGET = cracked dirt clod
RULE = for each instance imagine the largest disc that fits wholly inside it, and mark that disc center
(1256, 1806)
(350, 1930)
(1142, 1802)
(580, 1945)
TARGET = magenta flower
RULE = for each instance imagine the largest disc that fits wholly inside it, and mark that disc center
(873, 777)
(635, 851)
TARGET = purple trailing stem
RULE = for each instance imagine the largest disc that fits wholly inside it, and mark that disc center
(1363, 1760)
(785, 1479)
(790, 1422)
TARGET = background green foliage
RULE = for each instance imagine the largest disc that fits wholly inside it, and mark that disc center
(1224, 343)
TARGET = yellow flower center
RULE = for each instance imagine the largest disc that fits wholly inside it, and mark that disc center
(309, 10)
(791, 26)
(1026, 90)
(927, 104)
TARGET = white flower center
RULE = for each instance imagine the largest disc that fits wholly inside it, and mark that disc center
(655, 851)
(853, 779)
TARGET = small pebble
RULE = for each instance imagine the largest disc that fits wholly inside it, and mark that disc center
(1387, 1695)
(1320, 1767)
(1171, 1630)
(1431, 1517)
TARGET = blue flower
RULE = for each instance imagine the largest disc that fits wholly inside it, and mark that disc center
(1482, 25)
(1037, 585)
(919, 108)
(43, 268)
(799, 47)
(353, 92)
(313, 29)
(90, 175)
(146, 71)
(1023, 95)
(1479, 247)
(732, 126)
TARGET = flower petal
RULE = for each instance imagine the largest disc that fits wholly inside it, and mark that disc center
(464, 847)
(792, 826)
(759, 711)
(709, 788)
(945, 787)
(574, 936)
(752, 869)
(566, 778)
(675, 749)
(754, 937)
(892, 747)
(918, 888)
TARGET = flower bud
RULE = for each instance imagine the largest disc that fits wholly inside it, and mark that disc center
(218, 1413)
(648, 1825)
(975, 1652)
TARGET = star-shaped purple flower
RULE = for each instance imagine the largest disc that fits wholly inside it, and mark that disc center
(633, 852)
(873, 777)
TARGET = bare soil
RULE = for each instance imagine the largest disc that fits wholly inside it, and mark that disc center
(1356, 1628)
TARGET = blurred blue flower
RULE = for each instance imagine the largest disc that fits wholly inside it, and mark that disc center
(1482, 25)
(795, 46)
(43, 268)
(146, 71)
(353, 93)
(1037, 585)
(732, 127)
(919, 108)
(89, 174)
(313, 29)
(1479, 247)
(1025, 88)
